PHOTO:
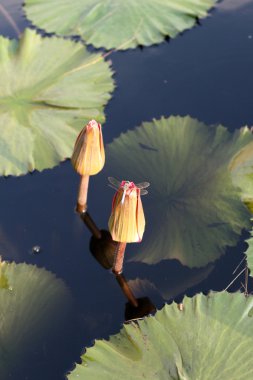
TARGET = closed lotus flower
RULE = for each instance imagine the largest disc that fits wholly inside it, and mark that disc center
(88, 159)
(127, 221)
(89, 156)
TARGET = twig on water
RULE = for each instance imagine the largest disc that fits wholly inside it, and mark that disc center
(239, 264)
(231, 283)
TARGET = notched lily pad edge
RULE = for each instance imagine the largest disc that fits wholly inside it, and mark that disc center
(164, 37)
(138, 322)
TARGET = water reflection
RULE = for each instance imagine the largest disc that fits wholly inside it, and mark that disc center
(104, 249)
(6, 245)
(12, 20)
(233, 5)
(158, 282)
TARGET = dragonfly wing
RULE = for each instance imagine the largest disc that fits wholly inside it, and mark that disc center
(143, 185)
(143, 192)
(114, 182)
(113, 187)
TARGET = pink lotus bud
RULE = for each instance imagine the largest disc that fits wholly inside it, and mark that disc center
(127, 221)
(89, 156)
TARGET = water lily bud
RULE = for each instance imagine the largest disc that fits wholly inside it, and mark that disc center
(127, 221)
(89, 156)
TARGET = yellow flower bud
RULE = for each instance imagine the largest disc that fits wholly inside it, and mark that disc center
(89, 156)
(127, 221)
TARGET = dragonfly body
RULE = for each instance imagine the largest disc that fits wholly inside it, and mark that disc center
(127, 186)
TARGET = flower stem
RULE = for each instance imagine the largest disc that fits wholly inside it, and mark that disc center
(119, 258)
(117, 270)
(82, 194)
(81, 207)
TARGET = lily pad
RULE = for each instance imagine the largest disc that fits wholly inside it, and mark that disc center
(210, 338)
(241, 167)
(50, 87)
(33, 304)
(117, 24)
(193, 210)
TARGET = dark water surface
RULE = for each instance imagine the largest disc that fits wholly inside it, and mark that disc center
(206, 73)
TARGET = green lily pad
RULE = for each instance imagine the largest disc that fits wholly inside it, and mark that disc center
(50, 87)
(241, 167)
(33, 304)
(193, 210)
(210, 338)
(117, 24)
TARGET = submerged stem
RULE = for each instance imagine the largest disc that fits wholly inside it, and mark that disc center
(126, 289)
(90, 224)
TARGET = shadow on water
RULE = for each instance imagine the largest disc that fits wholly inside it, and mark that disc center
(206, 75)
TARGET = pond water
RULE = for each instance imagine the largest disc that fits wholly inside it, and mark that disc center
(206, 73)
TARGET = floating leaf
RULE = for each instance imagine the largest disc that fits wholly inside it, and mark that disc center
(210, 338)
(117, 24)
(50, 87)
(193, 210)
(241, 167)
(33, 304)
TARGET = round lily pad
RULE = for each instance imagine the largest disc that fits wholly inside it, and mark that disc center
(193, 210)
(117, 24)
(50, 87)
(207, 337)
(33, 304)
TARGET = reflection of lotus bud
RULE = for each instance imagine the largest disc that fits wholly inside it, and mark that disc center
(89, 156)
(127, 221)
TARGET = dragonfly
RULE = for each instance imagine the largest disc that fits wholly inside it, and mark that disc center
(116, 184)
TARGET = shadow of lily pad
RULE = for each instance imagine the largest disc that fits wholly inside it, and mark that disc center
(117, 24)
(193, 210)
(210, 337)
(157, 281)
(49, 88)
